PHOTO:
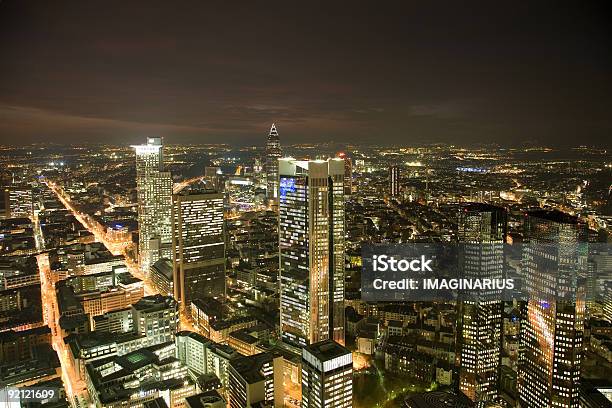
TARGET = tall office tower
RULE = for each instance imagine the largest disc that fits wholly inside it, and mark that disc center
(273, 153)
(198, 243)
(311, 251)
(394, 181)
(156, 317)
(348, 173)
(481, 234)
(606, 298)
(552, 330)
(213, 176)
(18, 201)
(154, 203)
(327, 376)
(256, 381)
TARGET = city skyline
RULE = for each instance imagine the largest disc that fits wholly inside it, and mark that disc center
(298, 205)
(257, 299)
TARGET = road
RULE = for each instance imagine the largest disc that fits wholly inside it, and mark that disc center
(99, 232)
(75, 387)
(115, 247)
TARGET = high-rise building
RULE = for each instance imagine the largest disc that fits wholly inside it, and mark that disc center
(214, 177)
(607, 301)
(348, 173)
(552, 328)
(198, 245)
(311, 247)
(481, 233)
(18, 201)
(256, 381)
(327, 376)
(394, 181)
(154, 203)
(273, 153)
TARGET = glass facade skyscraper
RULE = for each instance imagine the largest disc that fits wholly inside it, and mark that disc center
(198, 241)
(394, 181)
(154, 203)
(273, 153)
(482, 232)
(311, 250)
(552, 328)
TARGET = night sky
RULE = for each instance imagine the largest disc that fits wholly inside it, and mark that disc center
(376, 71)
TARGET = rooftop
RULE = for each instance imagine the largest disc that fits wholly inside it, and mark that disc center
(154, 303)
(327, 350)
(250, 367)
(553, 215)
(163, 267)
(203, 399)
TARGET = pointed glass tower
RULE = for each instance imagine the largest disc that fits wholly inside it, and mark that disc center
(273, 153)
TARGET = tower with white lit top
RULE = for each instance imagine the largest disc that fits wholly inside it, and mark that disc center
(154, 187)
(311, 250)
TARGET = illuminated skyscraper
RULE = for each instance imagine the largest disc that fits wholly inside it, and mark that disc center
(18, 201)
(327, 376)
(348, 173)
(552, 331)
(198, 245)
(311, 246)
(273, 153)
(482, 232)
(213, 176)
(394, 181)
(154, 203)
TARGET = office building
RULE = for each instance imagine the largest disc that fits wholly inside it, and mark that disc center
(18, 201)
(161, 274)
(156, 317)
(311, 246)
(198, 243)
(552, 328)
(256, 381)
(137, 378)
(348, 173)
(273, 153)
(191, 350)
(214, 178)
(218, 357)
(394, 181)
(327, 376)
(207, 399)
(154, 203)
(481, 234)
(116, 321)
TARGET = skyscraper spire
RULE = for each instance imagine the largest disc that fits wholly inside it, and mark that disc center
(273, 153)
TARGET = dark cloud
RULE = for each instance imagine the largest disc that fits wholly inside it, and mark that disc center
(391, 72)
